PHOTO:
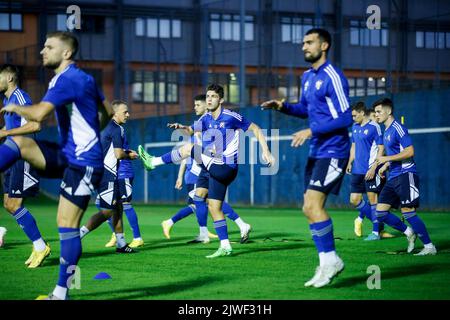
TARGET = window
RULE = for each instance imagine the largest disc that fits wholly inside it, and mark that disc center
(92, 24)
(151, 87)
(61, 22)
(432, 40)
(366, 86)
(11, 22)
(293, 29)
(228, 27)
(360, 35)
(158, 28)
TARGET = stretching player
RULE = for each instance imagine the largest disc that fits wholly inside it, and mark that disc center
(402, 187)
(112, 138)
(21, 181)
(218, 155)
(367, 145)
(197, 181)
(325, 102)
(75, 98)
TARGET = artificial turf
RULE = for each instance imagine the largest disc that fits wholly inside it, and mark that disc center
(279, 257)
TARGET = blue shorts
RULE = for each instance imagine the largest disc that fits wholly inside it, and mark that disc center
(220, 175)
(125, 189)
(203, 179)
(360, 185)
(55, 160)
(21, 180)
(402, 191)
(109, 194)
(325, 174)
(79, 183)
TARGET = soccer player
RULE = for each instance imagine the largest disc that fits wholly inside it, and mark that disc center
(21, 181)
(197, 181)
(114, 150)
(367, 145)
(125, 184)
(218, 155)
(402, 186)
(325, 102)
(75, 98)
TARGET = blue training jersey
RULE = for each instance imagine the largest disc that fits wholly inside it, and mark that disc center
(13, 120)
(396, 139)
(75, 97)
(112, 137)
(125, 165)
(325, 101)
(220, 137)
(366, 138)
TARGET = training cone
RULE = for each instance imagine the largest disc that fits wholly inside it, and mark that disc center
(102, 276)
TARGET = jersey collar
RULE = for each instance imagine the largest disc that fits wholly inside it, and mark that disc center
(320, 68)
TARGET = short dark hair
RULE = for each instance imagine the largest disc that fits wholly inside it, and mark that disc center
(200, 97)
(384, 102)
(359, 107)
(11, 69)
(323, 35)
(68, 38)
(216, 88)
(116, 103)
(369, 111)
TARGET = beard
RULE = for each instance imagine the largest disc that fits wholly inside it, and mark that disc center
(52, 64)
(313, 58)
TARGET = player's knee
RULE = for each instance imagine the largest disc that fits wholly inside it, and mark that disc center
(307, 209)
(10, 206)
(107, 214)
(355, 200)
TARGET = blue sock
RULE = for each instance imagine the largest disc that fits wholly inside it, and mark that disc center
(391, 220)
(132, 219)
(183, 213)
(373, 217)
(364, 209)
(418, 226)
(70, 254)
(221, 229)
(26, 221)
(324, 233)
(315, 238)
(171, 157)
(201, 211)
(229, 212)
(10, 153)
(110, 224)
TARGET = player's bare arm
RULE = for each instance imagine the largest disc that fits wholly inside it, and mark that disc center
(37, 112)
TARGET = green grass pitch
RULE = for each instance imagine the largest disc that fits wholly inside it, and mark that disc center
(274, 265)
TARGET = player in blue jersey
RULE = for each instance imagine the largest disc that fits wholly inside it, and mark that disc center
(197, 181)
(77, 159)
(218, 155)
(324, 100)
(110, 202)
(402, 186)
(21, 181)
(367, 145)
(125, 184)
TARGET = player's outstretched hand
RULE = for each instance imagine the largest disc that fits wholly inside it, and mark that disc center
(370, 174)
(176, 126)
(382, 171)
(300, 137)
(272, 104)
(179, 184)
(348, 170)
(268, 158)
(133, 154)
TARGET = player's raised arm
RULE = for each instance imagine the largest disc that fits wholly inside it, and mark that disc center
(297, 109)
(187, 129)
(28, 128)
(37, 112)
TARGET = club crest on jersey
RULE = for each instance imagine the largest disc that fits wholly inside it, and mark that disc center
(388, 138)
(222, 125)
(318, 84)
(366, 132)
